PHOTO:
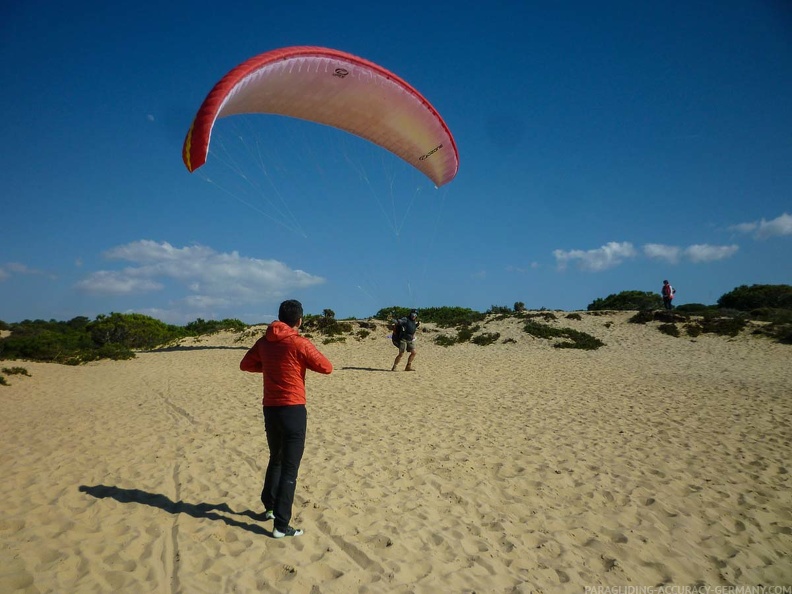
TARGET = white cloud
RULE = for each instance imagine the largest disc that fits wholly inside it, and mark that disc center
(744, 228)
(659, 251)
(710, 253)
(107, 282)
(613, 254)
(609, 255)
(19, 268)
(522, 269)
(212, 279)
(763, 229)
(12, 268)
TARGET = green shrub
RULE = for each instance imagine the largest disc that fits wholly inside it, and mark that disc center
(692, 308)
(444, 340)
(642, 317)
(485, 338)
(326, 324)
(15, 371)
(465, 333)
(547, 316)
(361, 334)
(773, 315)
(134, 331)
(580, 340)
(499, 309)
(574, 316)
(519, 306)
(200, 326)
(541, 330)
(723, 326)
(628, 300)
(670, 329)
(445, 317)
(3, 381)
(575, 339)
(745, 298)
(112, 336)
(783, 333)
(693, 329)
(116, 352)
(669, 317)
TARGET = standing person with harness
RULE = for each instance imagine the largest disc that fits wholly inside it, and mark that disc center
(404, 338)
(282, 356)
(668, 294)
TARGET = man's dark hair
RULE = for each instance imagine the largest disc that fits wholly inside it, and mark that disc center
(290, 312)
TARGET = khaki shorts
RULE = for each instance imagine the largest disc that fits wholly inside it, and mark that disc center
(406, 345)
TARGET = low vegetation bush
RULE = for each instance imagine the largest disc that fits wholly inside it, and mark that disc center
(200, 326)
(485, 338)
(445, 340)
(463, 334)
(745, 298)
(642, 317)
(574, 339)
(773, 315)
(445, 317)
(693, 308)
(113, 336)
(547, 316)
(326, 324)
(721, 322)
(723, 326)
(627, 300)
(693, 330)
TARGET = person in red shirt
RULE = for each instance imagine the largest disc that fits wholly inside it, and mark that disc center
(668, 294)
(282, 356)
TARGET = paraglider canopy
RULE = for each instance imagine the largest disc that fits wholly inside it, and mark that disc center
(337, 89)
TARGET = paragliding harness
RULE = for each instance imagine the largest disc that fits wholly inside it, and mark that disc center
(398, 329)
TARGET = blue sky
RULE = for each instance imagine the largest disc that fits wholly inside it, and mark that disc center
(604, 146)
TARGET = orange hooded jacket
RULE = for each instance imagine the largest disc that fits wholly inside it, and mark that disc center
(282, 355)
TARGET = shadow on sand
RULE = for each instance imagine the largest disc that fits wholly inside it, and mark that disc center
(196, 510)
(364, 369)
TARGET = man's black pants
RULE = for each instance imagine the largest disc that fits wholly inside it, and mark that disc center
(285, 426)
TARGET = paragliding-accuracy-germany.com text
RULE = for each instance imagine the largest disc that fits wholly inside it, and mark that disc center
(688, 590)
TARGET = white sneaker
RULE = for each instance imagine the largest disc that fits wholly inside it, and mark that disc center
(288, 532)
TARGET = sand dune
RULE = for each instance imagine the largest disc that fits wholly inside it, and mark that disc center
(513, 467)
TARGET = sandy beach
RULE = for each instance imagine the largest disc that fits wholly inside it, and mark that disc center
(513, 467)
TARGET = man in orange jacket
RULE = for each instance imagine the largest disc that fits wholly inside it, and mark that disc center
(282, 355)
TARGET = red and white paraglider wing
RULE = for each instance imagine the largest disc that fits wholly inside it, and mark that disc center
(337, 89)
